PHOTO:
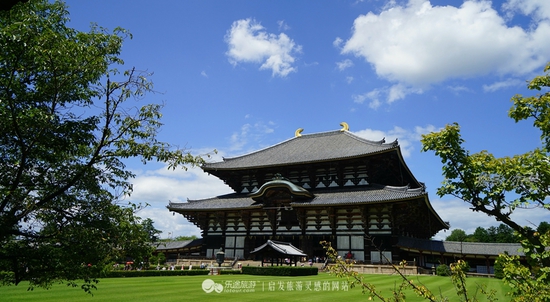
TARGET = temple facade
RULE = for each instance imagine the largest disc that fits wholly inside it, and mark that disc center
(333, 186)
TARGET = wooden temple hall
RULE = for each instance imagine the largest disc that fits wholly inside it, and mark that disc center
(334, 186)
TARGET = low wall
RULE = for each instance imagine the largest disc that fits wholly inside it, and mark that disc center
(384, 269)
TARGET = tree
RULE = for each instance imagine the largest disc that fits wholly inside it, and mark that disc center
(457, 235)
(498, 186)
(152, 232)
(66, 130)
(544, 227)
(480, 235)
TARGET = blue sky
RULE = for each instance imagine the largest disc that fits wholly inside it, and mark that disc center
(237, 76)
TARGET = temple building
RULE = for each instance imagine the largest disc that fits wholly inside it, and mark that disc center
(334, 186)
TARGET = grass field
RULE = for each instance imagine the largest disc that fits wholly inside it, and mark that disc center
(245, 288)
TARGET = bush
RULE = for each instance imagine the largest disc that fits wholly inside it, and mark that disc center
(230, 272)
(151, 273)
(443, 270)
(499, 270)
(280, 270)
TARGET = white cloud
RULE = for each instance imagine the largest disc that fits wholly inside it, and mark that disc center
(249, 43)
(502, 85)
(250, 132)
(171, 225)
(407, 139)
(460, 216)
(204, 74)
(344, 64)
(337, 42)
(419, 44)
(160, 186)
(540, 9)
(282, 25)
(391, 94)
(458, 89)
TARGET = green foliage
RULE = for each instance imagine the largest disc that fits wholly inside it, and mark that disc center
(443, 270)
(499, 269)
(528, 283)
(66, 130)
(498, 186)
(152, 232)
(280, 270)
(457, 235)
(154, 273)
(500, 234)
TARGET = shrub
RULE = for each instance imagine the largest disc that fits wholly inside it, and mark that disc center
(151, 273)
(499, 270)
(443, 270)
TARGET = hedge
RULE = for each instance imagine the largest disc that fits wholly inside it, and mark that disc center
(151, 273)
(280, 270)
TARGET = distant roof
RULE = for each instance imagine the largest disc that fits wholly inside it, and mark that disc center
(372, 193)
(172, 245)
(306, 148)
(284, 248)
(464, 248)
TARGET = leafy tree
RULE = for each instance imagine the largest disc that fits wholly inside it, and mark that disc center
(480, 235)
(498, 186)
(152, 232)
(457, 235)
(543, 228)
(66, 129)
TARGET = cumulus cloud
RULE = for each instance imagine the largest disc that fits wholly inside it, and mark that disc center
(418, 44)
(248, 42)
(158, 187)
(539, 9)
(406, 138)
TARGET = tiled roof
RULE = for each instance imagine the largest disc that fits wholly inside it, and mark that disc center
(464, 248)
(354, 195)
(284, 248)
(307, 148)
(170, 245)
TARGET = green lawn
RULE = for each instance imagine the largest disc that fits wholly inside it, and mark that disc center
(190, 288)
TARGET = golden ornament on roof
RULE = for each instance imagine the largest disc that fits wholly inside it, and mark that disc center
(345, 126)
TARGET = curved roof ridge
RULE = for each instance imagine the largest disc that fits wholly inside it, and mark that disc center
(310, 135)
(306, 148)
(405, 189)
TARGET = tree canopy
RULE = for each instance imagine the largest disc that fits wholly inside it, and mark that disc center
(67, 127)
(498, 186)
(500, 234)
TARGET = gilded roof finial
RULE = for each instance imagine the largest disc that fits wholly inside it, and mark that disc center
(298, 132)
(345, 126)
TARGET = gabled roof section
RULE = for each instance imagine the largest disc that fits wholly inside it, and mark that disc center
(283, 248)
(306, 148)
(281, 183)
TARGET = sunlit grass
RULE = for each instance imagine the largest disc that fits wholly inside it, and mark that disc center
(189, 288)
